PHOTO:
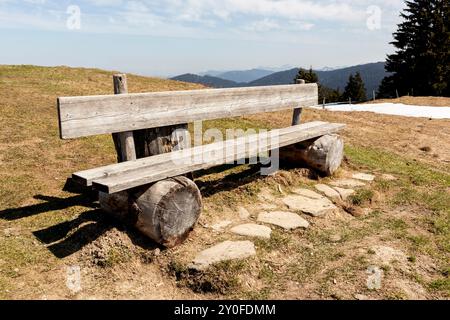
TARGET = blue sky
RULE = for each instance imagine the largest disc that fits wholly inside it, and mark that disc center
(169, 37)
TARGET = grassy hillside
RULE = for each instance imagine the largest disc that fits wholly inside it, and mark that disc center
(32, 156)
(47, 226)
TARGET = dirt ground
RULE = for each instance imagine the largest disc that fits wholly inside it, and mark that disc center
(52, 233)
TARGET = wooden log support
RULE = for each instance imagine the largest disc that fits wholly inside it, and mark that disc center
(166, 211)
(151, 142)
(324, 154)
(123, 141)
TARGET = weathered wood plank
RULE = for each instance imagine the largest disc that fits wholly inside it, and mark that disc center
(86, 116)
(123, 141)
(86, 177)
(297, 116)
(184, 161)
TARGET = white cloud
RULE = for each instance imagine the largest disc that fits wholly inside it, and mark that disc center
(207, 18)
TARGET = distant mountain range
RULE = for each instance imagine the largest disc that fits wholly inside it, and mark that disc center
(245, 76)
(213, 82)
(372, 74)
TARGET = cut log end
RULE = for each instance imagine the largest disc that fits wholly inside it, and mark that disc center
(324, 154)
(166, 211)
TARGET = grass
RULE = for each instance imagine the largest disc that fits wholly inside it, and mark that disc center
(221, 278)
(361, 197)
(441, 285)
(416, 173)
(277, 241)
(419, 185)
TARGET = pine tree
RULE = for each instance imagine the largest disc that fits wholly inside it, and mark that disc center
(421, 63)
(355, 89)
(441, 48)
(386, 89)
(309, 76)
(330, 95)
(327, 94)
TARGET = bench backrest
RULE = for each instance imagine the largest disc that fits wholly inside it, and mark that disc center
(94, 115)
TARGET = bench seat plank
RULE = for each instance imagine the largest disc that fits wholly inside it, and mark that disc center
(86, 177)
(124, 176)
(94, 115)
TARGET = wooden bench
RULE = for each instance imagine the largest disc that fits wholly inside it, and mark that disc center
(147, 187)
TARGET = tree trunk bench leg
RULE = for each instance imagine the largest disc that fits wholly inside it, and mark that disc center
(324, 154)
(166, 211)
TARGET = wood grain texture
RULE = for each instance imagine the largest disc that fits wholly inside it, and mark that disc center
(324, 154)
(297, 116)
(150, 142)
(181, 162)
(166, 211)
(93, 115)
(123, 141)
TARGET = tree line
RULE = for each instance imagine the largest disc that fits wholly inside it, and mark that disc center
(421, 64)
(354, 91)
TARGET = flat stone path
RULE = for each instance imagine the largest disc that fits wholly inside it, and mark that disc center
(252, 230)
(220, 226)
(303, 200)
(309, 202)
(388, 177)
(225, 251)
(243, 213)
(328, 191)
(308, 193)
(344, 193)
(348, 183)
(364, 177)
(285, 220)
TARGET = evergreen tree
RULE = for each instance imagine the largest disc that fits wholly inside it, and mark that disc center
(330, 95)
(421, 62)
(309, 76)
(386, 89)
(355, 89)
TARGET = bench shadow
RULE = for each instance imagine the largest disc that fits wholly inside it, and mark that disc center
(69, 237)
(83, 197)
(89, 226)
(85, 229)
(235, 180)
(229, 182)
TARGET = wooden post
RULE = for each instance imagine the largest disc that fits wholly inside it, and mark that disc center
(296, 119)
(124, 141)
